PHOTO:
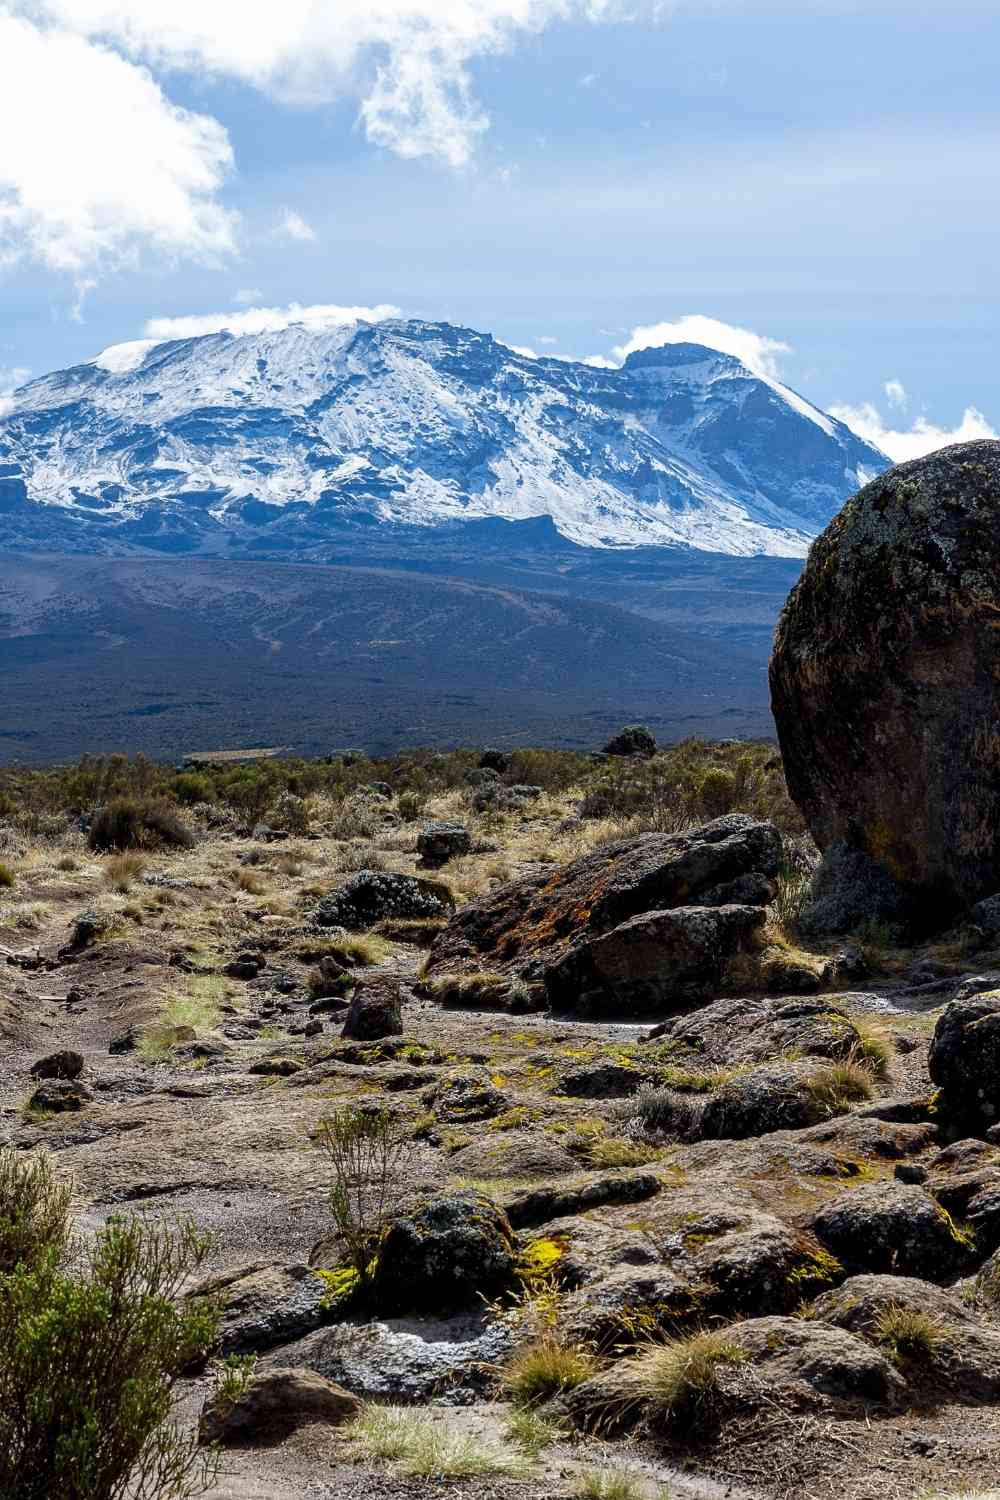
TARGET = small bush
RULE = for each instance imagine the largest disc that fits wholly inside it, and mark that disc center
(369, 1152)
(34, 1211)
(411, 806)
(659, 1114)
(6, 876)
(480, 987)
(249, 882)
(542, 1369)
(67, 863)
(131, 823)
(190, 788)
(88, 1363)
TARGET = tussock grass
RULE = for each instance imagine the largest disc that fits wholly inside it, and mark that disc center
(677, 1381)
(616, 1484)
(873, 1048)
(528, 1430)
(835, 1086)
(427, 1449)
(480, 987)
(121, 871)
(544, 1368)
(908, 1335)
(249, 881)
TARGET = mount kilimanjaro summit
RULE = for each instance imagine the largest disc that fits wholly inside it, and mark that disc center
(285, 444)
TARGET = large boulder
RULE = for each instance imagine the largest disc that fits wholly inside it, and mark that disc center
(66, 1065)
(262, 1305)
(444, 1251)
(437, 843)
(531, 924)
(894, 1228)
(885, 678)
(964, 1061)
(755, 1029)
(655, 962)
(778, 1096)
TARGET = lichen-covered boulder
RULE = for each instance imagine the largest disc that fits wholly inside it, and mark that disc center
(437, 843)
(442, 1252)
(755, 1029)
(894, 1228)
(778, 1096)
(531, 923)
(885, 678)
(964, 1061)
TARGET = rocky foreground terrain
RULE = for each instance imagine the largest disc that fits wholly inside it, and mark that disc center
(689, 1200)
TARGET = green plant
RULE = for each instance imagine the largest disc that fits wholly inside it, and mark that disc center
(424, 1447)
(6, 876)
(677, 1381)
(369, 1151)
(791, 896)
(88, 1362)
(835, 1086)
(232, 1379)
(411, 806)
(34, 1210)
(531, 1432)
(542, 1369)
(908, 1335)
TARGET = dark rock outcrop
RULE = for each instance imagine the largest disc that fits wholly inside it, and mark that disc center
(894, 1228)
(964, 1061)
(885, 679)
(372, 895)
(437, 843)
(58, 1065)
(623, 927)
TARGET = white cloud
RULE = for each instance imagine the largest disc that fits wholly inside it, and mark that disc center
(601, 362)
(546, 339)
(96, 163)
(521, 349)
(266, 320)
(248, 295)
(296, 227)
(757, 351)
(407, 60)
(896, 393)
(923, 437)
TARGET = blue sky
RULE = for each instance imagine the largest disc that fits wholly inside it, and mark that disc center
(559, 172)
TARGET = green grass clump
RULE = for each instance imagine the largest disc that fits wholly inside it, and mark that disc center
(676, 1382)
(616, 1484)
(427, 1449)
(837, 1085)
(908, 1335)
(543, 1369)
(531, 1432)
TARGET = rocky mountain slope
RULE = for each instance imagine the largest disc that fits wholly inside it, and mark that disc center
(287, 442)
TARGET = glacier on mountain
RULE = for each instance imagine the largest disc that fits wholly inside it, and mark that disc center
(291, 436)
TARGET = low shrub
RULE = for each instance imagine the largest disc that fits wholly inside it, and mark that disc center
(132, 823)
(369, 1152)
(89, 1355)
(6, 876)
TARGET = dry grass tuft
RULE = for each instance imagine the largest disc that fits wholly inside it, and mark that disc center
(121, 871)
(543, 1369)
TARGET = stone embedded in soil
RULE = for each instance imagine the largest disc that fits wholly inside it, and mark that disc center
(376, 1011)
(885, 678)
(964, 1356)
(437, 843)
(59, 1096)
(264, 1304)
(67, 1065)
(275, 1403)
(443, 1251)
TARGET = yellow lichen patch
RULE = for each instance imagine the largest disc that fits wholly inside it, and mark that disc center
(539, 1261)
(340, 1283)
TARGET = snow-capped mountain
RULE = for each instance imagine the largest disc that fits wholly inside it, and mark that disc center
(200, 444)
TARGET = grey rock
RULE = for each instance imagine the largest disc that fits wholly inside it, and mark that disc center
(372, 895)
(893, 1227)
(376, 1011)
(437, 843)
(275, 1404)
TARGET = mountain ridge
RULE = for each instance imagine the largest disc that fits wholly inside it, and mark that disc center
(290, 439)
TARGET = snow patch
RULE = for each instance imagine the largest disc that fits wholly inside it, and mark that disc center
(119, 359)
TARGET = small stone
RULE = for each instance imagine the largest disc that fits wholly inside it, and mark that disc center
(276, 1403)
